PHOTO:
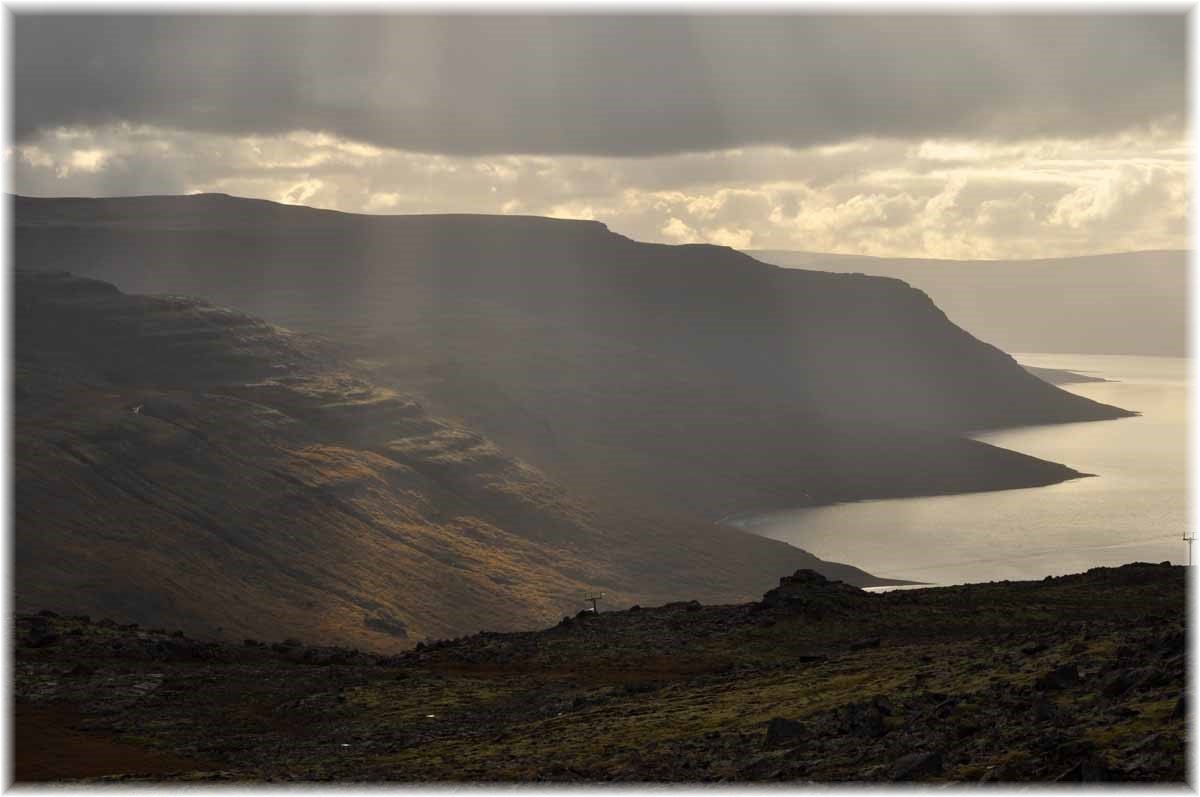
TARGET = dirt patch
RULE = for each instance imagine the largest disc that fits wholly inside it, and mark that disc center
(48, 746)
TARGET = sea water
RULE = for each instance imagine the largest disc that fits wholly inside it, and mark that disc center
(1133, 509)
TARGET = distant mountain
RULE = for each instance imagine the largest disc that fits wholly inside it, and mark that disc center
(177, 463)
(686, 381)
(1127, 303)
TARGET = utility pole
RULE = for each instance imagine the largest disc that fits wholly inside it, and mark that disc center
(1189, 539)
(595, 599)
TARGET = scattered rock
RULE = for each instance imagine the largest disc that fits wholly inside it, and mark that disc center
(761, 768)
(863, 719)
(1092, 769)
(808, 658)
(1117, 684)
(1150, 677)
(1077, 748)
(917, 765)
(1059, 678)
(1172, 643)
(1044, 709)
(1001, 773)
(40, 639)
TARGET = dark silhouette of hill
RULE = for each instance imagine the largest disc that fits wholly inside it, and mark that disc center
(685, 380)
(182, 463)
(1121, 303)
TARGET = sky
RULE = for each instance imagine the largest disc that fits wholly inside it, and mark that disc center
(970, 136)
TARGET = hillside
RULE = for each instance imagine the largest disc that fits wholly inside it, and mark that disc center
(1126, 303)
(687, 381)
(1069, 679)
(180, 463)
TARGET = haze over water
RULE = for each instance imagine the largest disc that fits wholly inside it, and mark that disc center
(1134, 509)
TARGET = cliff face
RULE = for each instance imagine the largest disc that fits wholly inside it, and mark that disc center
(177, 463)
(687, 379)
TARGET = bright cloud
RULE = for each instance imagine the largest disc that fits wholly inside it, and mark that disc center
(929, 198)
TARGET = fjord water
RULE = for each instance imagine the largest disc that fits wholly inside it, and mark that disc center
(1133, 509)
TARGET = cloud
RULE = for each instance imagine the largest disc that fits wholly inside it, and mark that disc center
(87, 160)
(384, 200)
(740, 238)
(676, 231)
(628, 86)
(928, 198)
(1123, 195)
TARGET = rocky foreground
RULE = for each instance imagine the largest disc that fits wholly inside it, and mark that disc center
(1078, 678)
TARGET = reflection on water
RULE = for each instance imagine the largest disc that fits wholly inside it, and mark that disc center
(1134, 509)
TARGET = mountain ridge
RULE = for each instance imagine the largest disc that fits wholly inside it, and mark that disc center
(180, 463)
(583, 351)
(527, 409)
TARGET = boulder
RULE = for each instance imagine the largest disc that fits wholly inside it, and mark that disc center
(781, 731)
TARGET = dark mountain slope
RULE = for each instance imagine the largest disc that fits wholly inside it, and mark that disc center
(1121, 303)
(177, 463)
(694, 379)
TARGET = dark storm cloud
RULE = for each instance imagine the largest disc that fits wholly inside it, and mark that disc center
(616, 85)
